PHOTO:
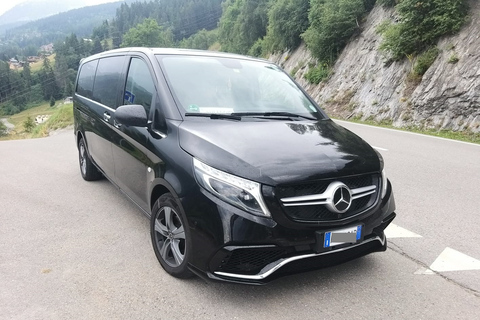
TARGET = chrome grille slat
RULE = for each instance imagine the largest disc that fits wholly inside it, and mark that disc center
(312, 201)
(323, 199)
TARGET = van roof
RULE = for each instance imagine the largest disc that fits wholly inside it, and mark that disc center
(172, 51)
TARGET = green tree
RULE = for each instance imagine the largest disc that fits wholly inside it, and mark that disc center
(332, 23)
(101, 32)
(97, 46)
(27, 74)
(387, 3)
(20, 91)
(201, 40)
(287, 20)
(48, 82)
(148, 34)
(243, 22)
(5, 81)
(28, 124)
(68, 89)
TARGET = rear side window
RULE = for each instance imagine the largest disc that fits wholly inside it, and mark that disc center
(86, 78)
(105, 89)
(140, 88)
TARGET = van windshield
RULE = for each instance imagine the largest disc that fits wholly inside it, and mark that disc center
(213, 85)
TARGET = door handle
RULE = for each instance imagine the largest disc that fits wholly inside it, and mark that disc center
(106, 116)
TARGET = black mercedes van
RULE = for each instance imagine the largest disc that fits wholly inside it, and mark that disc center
(243, 176)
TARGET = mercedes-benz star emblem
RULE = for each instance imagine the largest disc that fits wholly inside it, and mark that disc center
(341, 198)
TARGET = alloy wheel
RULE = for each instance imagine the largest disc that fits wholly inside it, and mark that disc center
(170, 236)
(83, 159)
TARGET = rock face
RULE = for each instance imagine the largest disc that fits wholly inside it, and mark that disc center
(363, 86)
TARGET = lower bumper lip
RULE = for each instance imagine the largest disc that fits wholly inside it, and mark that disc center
(274, 266)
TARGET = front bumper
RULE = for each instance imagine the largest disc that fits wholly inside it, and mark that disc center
(307, 261)
(254, 251)
(269, 269)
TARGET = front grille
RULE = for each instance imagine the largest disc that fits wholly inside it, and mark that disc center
(250, 261)
(320, 213)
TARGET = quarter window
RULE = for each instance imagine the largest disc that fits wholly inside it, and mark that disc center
(139, 88)
(86, 78)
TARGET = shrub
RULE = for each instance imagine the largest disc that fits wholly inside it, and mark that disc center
(453, 58)
(425, 60)
(256, 49)
(421, 24)
(383, 26)
(3, 129)
(317, 74)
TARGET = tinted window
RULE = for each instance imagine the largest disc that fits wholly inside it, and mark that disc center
(106, 81)
(140, 87)
(86, 79)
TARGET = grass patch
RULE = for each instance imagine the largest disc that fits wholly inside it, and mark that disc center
(37, 66)
(60, 117)
(19, 119)
(466, 136)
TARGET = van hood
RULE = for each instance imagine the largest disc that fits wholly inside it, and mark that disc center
(278, 152)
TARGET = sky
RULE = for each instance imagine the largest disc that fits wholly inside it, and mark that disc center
(5, 5)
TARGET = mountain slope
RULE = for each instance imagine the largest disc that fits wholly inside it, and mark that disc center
(37, 9)
(363, 86)
(79, 21)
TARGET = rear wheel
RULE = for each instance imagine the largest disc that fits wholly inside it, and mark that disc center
(170, 236)
(87, 168)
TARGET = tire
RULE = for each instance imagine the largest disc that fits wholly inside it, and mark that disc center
(171, 236)
(87, 168)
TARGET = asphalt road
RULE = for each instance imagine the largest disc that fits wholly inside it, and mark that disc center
(79, 250)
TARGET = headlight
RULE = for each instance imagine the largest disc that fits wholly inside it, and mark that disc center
(384, 183)
(384, 176)
(242, 193)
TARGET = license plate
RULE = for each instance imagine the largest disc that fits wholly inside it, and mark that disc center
(347, 235)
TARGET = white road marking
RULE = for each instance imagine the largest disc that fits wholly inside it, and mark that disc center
(452, 260)
(394, 231)
(424, 271)
(408, 132)
(378, 148)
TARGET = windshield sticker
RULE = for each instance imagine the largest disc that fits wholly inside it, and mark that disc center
(215, 110)
(193, 107)
(130, 97)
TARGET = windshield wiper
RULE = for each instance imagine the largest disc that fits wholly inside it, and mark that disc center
(272, 114)
(214, 115)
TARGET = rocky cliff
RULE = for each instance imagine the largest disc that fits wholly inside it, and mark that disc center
(364, 86)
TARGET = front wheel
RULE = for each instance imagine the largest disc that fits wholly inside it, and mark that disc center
(170, 236)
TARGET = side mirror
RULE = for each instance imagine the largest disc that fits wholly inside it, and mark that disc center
(132, 115)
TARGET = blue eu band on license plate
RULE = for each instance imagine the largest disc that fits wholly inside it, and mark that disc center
(347, 235)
